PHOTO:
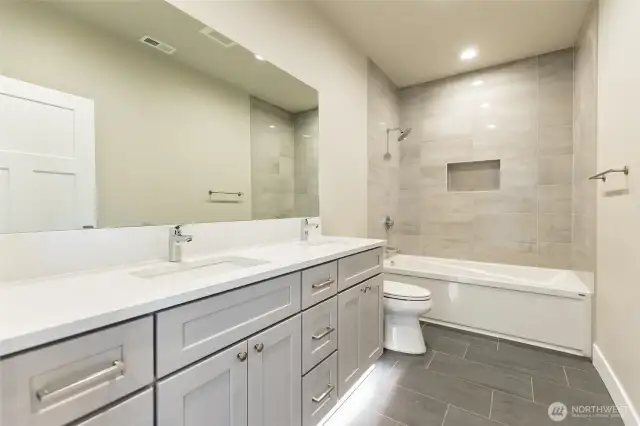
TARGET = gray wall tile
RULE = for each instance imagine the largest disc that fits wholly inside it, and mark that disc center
(523, 116)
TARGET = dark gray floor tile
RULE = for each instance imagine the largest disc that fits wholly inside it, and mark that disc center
(444, 388)
(482, 374)
(436, 341)
(410, 408)
(362, 418)
(465, 336)
(528, 351)
(527, 363)
(514, 411)
(589, 381)
(459, 417)
(415, 360)
(547, 393)
(383, 366)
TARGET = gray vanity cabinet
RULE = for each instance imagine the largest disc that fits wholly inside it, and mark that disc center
(213, 391)
(136, 411)
(349, 307)
(370, 338)
(360, 316)
(275, 375)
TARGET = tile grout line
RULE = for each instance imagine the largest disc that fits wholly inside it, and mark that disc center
(444, 419)
(433, 355)
(491, 404)
(480, 415)
(566, 376)
(533, 394)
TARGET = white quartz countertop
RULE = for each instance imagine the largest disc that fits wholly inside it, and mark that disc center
(41, 311)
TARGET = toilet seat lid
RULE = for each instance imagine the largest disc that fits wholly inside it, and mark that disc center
(402, 291)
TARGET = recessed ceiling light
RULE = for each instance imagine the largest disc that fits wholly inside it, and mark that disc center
(272, 127)
(485, 105)
(477, 82)
(258, 57)
(306, 136)
(468, 54)
(491, 126)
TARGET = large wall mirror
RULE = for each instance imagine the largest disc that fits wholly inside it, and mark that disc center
(132, 113)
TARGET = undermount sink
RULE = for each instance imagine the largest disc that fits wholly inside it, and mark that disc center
(199, 268)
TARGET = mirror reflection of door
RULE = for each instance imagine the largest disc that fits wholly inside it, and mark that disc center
(47, 168)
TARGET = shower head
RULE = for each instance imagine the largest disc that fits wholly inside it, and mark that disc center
(403, 133)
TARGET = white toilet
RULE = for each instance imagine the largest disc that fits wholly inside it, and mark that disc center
(403, 304)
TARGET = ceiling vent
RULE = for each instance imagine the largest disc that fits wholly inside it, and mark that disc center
(156, 44)
(220, 38)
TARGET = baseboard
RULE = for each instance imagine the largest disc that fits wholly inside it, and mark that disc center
(615, 388)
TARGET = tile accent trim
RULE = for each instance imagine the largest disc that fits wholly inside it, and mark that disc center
(615, 388)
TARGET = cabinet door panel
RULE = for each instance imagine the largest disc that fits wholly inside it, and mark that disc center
(371, 320)
(214, 391)
(348, 337)
(275, 370)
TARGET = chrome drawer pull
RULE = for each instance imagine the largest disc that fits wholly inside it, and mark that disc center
(113, 372)
(318, 399)
(323, 284)
(327, 331)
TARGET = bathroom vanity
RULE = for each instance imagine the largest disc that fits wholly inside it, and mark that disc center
(269, 336)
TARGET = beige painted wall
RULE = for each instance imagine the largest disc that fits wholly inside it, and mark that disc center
(583, 256)
(165, 134)
(383, 112)
(293, 36)
(618, 224)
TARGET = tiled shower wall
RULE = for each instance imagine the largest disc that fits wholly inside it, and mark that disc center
(519, 113)
(584, 190)
(306, 198)
(284, 162)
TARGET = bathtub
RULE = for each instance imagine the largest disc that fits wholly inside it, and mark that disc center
(544, 307)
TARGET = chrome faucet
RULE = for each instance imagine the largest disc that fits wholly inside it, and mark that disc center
(176, 239)
(304, 229)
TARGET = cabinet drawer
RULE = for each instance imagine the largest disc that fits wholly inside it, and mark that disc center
(319, 391)
(137, 411)
(319, 333)
(319, 283)
(191, 332)
(60, 383)
(359, 267)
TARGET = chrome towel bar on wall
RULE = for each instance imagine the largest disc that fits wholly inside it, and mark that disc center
(603, 176)
(239, 194)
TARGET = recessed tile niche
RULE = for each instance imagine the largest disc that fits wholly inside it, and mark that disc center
(473, 176)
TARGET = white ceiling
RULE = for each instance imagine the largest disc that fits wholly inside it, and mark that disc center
(162, 21)
(414, 41)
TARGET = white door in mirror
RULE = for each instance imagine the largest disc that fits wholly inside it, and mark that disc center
(47, 166)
